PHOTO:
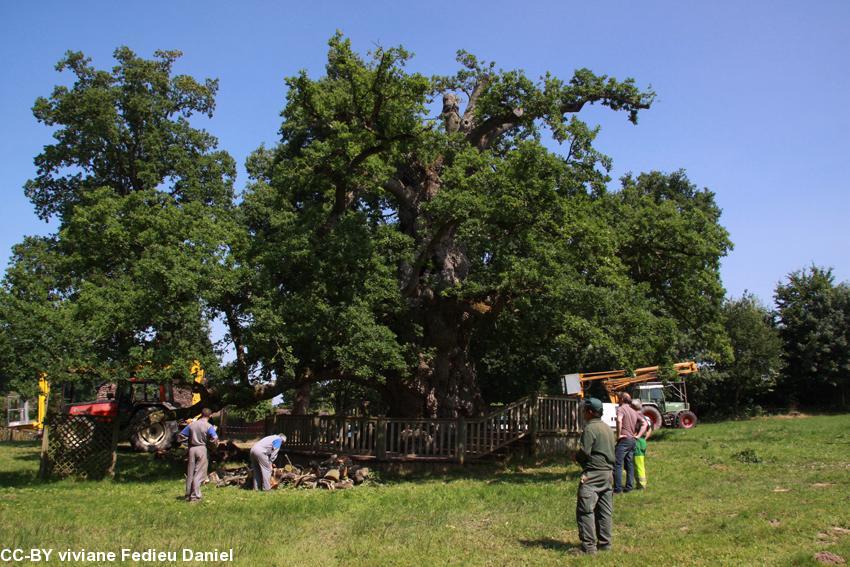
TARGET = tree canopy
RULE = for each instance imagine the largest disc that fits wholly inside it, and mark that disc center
(813, 314)
(741, 382)
(413, 239)
(143, 203)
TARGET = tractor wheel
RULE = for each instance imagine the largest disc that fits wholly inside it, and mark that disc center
(654, 416)
(686, 420)
(150, 430)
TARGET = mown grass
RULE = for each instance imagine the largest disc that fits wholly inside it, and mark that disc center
(768, 491)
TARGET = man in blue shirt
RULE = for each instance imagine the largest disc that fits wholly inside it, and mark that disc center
(198, 433)
(263, 454)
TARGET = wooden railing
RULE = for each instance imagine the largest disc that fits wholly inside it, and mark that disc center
(558, 414)
(446, 439)
(502, 427)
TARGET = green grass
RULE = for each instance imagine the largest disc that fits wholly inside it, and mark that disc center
(768, 491)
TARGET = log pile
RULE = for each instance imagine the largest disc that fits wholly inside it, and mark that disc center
(331, 474)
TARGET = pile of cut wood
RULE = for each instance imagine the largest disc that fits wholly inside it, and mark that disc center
(332, 474)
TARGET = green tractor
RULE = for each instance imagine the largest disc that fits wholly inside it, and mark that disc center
(666, 404)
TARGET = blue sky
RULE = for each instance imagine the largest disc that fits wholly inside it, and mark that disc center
(753, 97)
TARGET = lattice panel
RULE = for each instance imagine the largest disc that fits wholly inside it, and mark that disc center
(79, 445)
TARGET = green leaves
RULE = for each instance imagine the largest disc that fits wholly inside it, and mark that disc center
(146, 217)
(126, 130)
(814, 317)
(383, 242)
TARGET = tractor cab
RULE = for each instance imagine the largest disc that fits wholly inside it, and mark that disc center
(671, 397)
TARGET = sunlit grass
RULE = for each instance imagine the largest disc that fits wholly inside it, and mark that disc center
(767, 491)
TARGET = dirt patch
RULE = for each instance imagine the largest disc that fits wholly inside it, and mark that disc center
(775, 523)
(828, 558)
(839, 530)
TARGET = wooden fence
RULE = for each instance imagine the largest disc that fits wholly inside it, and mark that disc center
(13, 434)
(79, 445)
(439, 439)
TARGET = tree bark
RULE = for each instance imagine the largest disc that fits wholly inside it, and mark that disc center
(301, 402)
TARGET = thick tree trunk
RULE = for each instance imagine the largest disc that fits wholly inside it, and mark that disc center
(444, 383)
(452, 388)
(301, 402)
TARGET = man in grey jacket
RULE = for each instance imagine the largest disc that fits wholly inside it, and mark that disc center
(263, 454)
(198, 433)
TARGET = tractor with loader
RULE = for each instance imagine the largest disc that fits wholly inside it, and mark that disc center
(148, 412)
(665, 403)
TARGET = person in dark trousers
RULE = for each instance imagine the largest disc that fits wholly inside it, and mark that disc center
(628, 426)
(198, 434)
(263, 454)
(595, 500)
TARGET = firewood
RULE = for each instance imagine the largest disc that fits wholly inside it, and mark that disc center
(360, 475)
(332, 474)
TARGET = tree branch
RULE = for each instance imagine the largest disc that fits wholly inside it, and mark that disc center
(485, 134)
(469, 113)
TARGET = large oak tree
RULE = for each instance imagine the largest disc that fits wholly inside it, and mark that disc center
(410, 232)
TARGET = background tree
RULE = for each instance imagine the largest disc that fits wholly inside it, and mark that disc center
(813, 314)
(744, 380)
(144, 204)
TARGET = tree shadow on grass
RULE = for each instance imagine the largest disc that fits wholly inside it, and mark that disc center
(145, 467)
(32, 449)
(148, 467)
(551, 544)
(18, 479)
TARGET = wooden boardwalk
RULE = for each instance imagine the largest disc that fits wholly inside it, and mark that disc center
(458, 440)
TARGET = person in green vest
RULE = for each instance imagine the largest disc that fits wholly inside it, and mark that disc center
(595, 498)
(640, 445)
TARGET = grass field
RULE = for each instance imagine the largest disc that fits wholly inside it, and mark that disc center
(768, 491)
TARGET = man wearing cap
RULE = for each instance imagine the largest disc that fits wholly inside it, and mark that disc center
(263, 454)
(198, 434)
(627, 431)
(595, 500)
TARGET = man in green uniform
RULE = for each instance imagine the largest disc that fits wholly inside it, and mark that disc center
(595, 500)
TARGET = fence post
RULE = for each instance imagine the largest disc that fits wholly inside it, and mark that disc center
(317, 434)
(110, 472)
(44, 466)
(381, 439)
(533, 426)
(460, 446)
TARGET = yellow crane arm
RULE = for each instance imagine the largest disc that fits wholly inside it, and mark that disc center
(618, 380)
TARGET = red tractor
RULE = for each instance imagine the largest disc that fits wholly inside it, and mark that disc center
(146, 411)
